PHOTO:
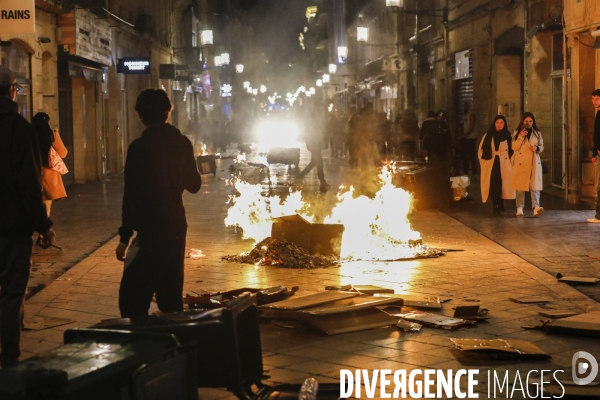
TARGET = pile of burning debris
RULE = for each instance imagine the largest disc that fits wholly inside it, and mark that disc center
(281, 253)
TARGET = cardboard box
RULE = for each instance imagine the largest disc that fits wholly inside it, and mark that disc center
(325, 239)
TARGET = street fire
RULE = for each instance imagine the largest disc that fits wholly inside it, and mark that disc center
(376, 228)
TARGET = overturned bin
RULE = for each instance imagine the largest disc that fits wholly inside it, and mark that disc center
(207, 164)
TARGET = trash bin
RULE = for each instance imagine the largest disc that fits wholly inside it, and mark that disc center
(105, 364)
(207, 164)
(227, 341)
(429, 184)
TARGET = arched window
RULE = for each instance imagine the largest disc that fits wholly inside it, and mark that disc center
(18, 60)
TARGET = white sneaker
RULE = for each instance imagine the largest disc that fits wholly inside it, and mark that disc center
(593, 220)
(519, 211)
(538, 211)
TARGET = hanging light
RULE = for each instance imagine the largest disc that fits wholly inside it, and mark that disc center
(225, 58)
(263, 88)
(255, 91)
(206, 37)
(239, 68)
(319, 82)
(332, 68)
(246, 85)
(326, 78)
(362, 34)
(312, 90)
(218, 61)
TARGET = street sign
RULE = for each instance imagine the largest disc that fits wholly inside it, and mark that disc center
(17, 16)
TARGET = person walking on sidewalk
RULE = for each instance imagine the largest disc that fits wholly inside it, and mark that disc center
(52, 183)
(527, 144)
(494, 156)
(159, 167)
(596, 152)
(23, 212)
(316, 141)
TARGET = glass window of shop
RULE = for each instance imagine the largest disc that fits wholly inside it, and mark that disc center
(18, 60)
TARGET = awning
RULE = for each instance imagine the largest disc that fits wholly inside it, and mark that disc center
(86, 72)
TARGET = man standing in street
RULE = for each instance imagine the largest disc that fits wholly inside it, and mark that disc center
(160, 166)
(596, 152)
(23, 212)
(316, 141)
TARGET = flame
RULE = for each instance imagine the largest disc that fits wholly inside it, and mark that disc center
(376, 228)
(204, 151)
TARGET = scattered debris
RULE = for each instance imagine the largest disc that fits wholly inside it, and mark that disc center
(220, 299)
(353, 321)
(281, 253)
(37, 323)
(577, 279)
(529, 299)
(500, 347)
(471, 312)
(436, 321)
(311, 300)
(582, 324)
(408, 326)
(416, 300)
(557, 314)
(367, 289)
(196, 254)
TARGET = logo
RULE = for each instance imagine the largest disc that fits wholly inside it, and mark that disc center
(581, 368)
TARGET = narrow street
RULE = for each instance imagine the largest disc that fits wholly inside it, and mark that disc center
(487, 270)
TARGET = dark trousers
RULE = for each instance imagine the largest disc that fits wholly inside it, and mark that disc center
(469, 155)
(152, 266)
(316, 160)
(15, 264)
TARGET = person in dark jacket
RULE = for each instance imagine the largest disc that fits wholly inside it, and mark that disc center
(23, 213)
(439, 145)
(159, 167)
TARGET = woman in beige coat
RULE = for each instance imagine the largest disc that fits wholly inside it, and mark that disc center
(52, 184)
(494, 159)
(527, 144)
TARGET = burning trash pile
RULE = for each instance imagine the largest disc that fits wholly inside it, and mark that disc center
(281, 253)
(356, 227)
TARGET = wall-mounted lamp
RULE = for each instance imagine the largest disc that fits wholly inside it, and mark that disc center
(332, 68)
(206, 37)
(239, 68)
(44, 39)
(362, 34)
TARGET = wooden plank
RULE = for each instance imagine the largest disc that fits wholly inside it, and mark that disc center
(311, 300)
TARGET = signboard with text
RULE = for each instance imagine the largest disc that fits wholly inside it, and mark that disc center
(133, 65)
(17, 16)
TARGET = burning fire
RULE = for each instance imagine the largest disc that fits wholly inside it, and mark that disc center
(375, 228)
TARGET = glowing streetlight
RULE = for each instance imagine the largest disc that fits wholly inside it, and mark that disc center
(332, 68)
(255, 91)
(218, 61)
(326, 78)
(239, 68)
(393, 3)
(319, 82)
(225, 58)
(206, 37)
(246, 85)
(312, 90)
(263, 88)
(362, 34)
(342, 54)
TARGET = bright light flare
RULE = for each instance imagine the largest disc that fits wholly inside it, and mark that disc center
(276, 133)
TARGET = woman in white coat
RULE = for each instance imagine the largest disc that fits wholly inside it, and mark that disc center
(527, 144)
(494, 158)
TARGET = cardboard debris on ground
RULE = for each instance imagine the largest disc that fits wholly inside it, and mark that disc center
(557, 313)
(367, 289)
(472, 312)
(37, 323)
(329, 308)
(219, 299)
(501, 347)
(416, 300)
(353, 321)
(408, 326)
(529, 299)
(311, 300)
(325, 239)
(435, 320)
(583, 324)
(281, 253)
(579, 279)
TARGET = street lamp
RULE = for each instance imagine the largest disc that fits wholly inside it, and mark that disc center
(254, 92)
(218, 61)
(326, 78)
(319, 82)
(342, 54)
(206, 37)
(225, 58)
(263, 88)
(246, 85)
(394, 3)
(312, 90)
(239, 68)
(332, 68)
(362, 34)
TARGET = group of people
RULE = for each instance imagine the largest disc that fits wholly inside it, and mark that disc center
(511, 164)
(160, 165)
